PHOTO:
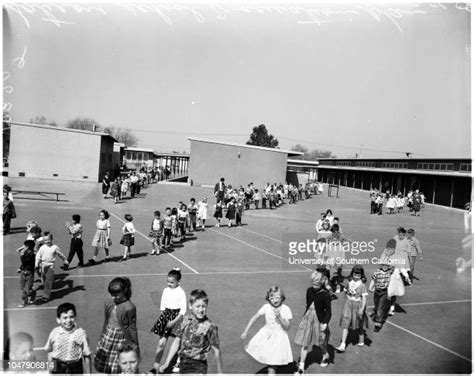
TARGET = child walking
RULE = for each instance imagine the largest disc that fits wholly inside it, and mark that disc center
(67, 344)
(115, 190)
(353, 314)
(379, 285)
(182, 220)
(45, 259)
(120, 326)
(27, 272)
(314, 325)
(128, 237)
(173, 308)
(102, 236)
(230, 214)
(192, 211)
(202, 212)
(195, 337)
(75, 230)
(155, 233)
(167, 228)
(414, 251)
(218, 212)
(271, 344)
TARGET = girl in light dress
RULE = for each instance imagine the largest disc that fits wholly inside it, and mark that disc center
(202, 212)
(102, 236)
(391, 204)
(271, 344)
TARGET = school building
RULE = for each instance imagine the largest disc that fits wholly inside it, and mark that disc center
(239, 164)
(47, 152)
(446, 182)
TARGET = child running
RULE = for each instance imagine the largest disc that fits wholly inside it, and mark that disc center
(102, 236)
(271, 344)
(173, 308)
(315, 322)
(353, 314)
(155, 233)
(67, 345)
(195, 337)
(120, 326)
(128, 237)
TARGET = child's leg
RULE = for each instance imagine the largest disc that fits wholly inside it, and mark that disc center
(342, 346)
(361, 337)
(106, 250)
(271, 370)
(159, 352)
(24, 295)
(48, 275)
(303, 355)
(412, 260)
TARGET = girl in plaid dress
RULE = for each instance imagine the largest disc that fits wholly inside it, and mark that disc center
(102, 236)
(120, 326)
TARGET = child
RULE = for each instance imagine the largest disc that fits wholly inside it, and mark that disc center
(271, 344)
(264, 199)
(9, 212)
(218, 212)
(125, 187)
(400, 203)
(391, 204)
(174, 221)
(353, 314)
(45, 259)
(155, 233)
(256, 198)
(397, 259)
(105, 184)
(202, 212)
(167, 228)
(75, 230)
(20, 348)
(173, 308)
(379, 285)
(115, 190)
(67, 344)
(196, 335)
(120, 326)
(128, 360)
(27, 270)
(128, 237)
(102, 236)
(315, 322)
(192, 211)
(414, 250)
(239, 213)
(182, 220)
(230, 214)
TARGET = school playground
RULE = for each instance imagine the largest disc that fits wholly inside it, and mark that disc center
(430, 333)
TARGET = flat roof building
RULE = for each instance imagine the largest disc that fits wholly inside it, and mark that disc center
(239, 164)
(47, 152)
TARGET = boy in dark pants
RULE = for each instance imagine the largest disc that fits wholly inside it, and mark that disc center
(27, 272)
(379, 285)
(75, 230)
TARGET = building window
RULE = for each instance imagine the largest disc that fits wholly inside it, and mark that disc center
(465, 167)
(129, 155)
(140, 157)
(134, 156)
(145, 156)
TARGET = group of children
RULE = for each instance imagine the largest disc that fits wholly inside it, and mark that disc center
(395, 203)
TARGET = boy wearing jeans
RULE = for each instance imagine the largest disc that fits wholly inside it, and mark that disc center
(379, 286)
(197, 335)
(67, 344)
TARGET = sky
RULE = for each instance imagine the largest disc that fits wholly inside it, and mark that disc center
(375, 80)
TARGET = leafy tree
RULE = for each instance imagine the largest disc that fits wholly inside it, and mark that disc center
(261, 137)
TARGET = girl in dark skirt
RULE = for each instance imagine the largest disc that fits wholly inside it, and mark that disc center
(173, 308)
(353, 314)
(218, 212)
(128, 237)
(120, 326)
(231, 208)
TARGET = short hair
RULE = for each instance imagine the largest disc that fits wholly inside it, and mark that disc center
(16, 340)
(121, 284)
(193, 199)
(357, 269)
(64, 308)
(167, 208)
(392, 243)
(336, 218)
(411, 231)
(198, 294)
(401, 230)
(156, 213)
(76, 218)
(48, 233)
(335, 228)
(222, 179)
(275, 289)
(320, 276)
(35, 230)
(128, 347)
(106, 213)
(176, 273)
(128, 217)
(328, 211)
(29, 244)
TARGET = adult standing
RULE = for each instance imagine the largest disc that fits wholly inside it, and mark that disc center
(219, 190)
(105, 184)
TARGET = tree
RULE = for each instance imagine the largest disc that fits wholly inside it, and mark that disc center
(312, 155)
(125, 136)
(43, 120)
(261, 137)
(84, 124)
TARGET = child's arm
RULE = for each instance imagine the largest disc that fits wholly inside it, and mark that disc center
(364, 303)
(372, 285)
(249, 325)
(171, 353)
(283, 321)
(88, 364)
(20, 249)
(61, 255)
(217, 354)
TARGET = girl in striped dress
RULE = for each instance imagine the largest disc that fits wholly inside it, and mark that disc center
(173, 308)
(102, 236)
(120, 326)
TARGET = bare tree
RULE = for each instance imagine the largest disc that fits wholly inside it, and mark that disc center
(85, 124)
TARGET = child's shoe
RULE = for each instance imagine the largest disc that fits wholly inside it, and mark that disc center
(377, 328)
(325, 361)
(338, 289)
(391, 312)
(152, 252)
(21, 305)
(341, 348)
(361, 344)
